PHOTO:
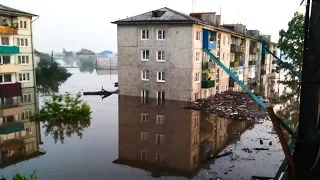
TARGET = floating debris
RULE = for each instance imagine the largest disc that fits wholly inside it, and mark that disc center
(230, 105)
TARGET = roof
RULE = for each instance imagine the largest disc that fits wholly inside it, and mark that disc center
(86, 52)
(168, 16)
(12, 10)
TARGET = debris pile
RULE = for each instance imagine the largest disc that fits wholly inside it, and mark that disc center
(230, 105)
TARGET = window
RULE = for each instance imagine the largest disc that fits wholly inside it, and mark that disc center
(23, 24)
(160, 95)
(144, 155)
(144, 93)
(4, 59)
(22, 42)
(23, 59)
(145, 55)
(144, 117)
(160, 119)
(198, 35)
(161, 34)
(145, 75)
(224, 40)
(4, 40)
(195, 159)
(144, 136)
(196, 121)
(197, 78)
(197, 56)
(195, 139)
(231, 57)
(196, 95)
(222, 57)
(161, 56)
(160, 76)
(158, 157)
(28, 130)
(159, 138)
(26, 115)
(5, 78)
(24, 77)
(26, 97)
(145, 34)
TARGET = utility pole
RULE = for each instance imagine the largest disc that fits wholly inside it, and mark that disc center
(307, 146)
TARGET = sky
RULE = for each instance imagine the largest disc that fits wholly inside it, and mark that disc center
(76, 24)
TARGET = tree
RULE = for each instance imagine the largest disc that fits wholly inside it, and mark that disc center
(291, 43)
(49, 75)
(64, 115)
(18, 176)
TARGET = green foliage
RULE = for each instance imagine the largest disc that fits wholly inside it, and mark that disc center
(291, 44)
(64, 115)
(18, 176)
(87, 64)
(49, 75)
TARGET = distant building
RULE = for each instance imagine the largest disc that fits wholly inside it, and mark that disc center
(107, 62)
(107, 54)
(85, 53)
(160, 55)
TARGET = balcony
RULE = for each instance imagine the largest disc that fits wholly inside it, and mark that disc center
(13, 127)
(10, 90)
(8, 30)
(209, 39)
(208, 84)
(9, 68)
(235, 64)
(9, 50)
(208, 65)
(237, 48)
(10, 111)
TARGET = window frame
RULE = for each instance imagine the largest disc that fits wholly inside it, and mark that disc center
(163, 34)
(146, 31)
(145, 53)
(163, 76)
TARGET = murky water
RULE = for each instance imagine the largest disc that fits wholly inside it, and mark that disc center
(132, 139)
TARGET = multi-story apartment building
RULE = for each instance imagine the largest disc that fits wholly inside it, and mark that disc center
(169, 140)
(17, 85)
(160, 55)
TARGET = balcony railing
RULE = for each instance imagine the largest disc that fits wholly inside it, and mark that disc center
(9, 50)
(208, 84)
(253, 50)
(8, 30)
(237, 48)
(12, 104)
(12, 127)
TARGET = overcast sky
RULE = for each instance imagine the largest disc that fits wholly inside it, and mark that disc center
(76, 24)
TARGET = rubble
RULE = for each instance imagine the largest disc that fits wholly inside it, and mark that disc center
(230, 105)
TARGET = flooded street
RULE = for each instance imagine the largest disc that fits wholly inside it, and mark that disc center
(130, 138)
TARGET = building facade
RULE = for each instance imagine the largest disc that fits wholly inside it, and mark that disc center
(18, 99)
(160, 55)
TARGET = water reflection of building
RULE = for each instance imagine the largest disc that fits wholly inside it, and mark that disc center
(167, 139)
(19, 138)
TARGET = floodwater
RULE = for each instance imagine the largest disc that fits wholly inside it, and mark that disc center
(130, 138)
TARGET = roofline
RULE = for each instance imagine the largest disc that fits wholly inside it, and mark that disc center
(18, 13)
(154, 22)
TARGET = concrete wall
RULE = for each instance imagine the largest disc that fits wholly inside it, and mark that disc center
(225, 56)
(177, 65)
(107, 62)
